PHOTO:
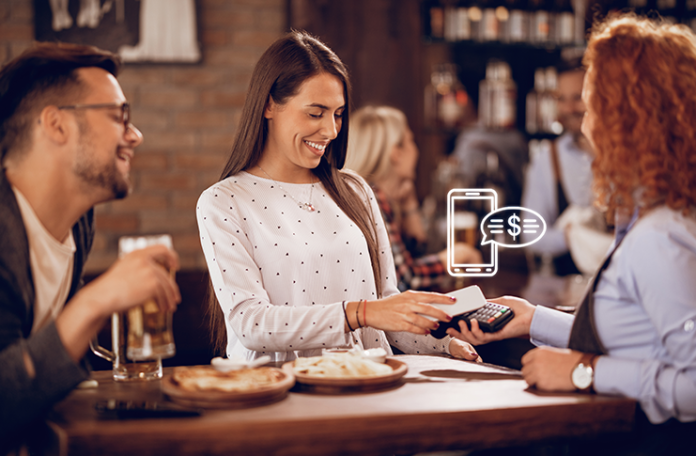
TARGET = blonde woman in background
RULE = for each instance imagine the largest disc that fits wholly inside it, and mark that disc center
(381, 149)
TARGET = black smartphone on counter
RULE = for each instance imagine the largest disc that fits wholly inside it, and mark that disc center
(115, 409)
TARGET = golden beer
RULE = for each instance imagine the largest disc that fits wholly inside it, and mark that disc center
(466, 228)
(149, 331)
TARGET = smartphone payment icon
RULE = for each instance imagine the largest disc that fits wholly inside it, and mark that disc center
(465, 210)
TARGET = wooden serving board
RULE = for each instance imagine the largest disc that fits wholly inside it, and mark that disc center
(328, 385)
(231, 400)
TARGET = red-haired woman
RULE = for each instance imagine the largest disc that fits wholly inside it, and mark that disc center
(635, 333)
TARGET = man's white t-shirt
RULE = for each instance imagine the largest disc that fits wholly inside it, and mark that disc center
(51, 265)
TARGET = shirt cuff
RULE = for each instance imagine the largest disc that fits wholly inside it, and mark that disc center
(550, 327)
(617, 376)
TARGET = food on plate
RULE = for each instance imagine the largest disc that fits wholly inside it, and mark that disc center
(206, 379)
(340, 365)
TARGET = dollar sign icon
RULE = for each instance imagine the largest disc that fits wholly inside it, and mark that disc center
(515, 230)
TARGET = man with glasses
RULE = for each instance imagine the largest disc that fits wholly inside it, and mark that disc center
(66, 143)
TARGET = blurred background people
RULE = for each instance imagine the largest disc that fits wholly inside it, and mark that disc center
(558, 185)
(381, 149)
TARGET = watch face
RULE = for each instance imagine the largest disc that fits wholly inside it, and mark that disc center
(582, 376)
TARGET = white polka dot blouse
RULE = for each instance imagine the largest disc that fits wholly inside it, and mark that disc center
(280, 272)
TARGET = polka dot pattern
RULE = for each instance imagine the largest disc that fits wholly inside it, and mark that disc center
(280, 272)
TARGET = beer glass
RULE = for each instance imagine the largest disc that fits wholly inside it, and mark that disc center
(142, 335)
(466, 228)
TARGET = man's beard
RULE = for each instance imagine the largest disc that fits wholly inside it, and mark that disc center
(108, 177)
(94, 175)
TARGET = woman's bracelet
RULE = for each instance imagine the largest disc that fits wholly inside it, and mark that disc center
(345, 315)
(357, 314)
(365, 313)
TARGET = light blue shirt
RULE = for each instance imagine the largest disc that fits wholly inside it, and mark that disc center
(645, 315)
(540, 189)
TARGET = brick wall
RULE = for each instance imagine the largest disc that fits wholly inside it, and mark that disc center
(187, 113)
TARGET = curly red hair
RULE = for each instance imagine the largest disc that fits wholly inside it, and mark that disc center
(641, 89)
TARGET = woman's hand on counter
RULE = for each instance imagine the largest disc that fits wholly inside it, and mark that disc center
(517, 327)
(463, 350)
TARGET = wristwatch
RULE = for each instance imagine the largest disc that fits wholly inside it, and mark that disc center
(583, 373)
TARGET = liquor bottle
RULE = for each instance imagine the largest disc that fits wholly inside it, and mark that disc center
(463, 22)
(564, 20)
(489, 21)
(436, 14)
(450, 22)
(539, 22)
(532, 106)
(446, 101)
(502, 14)
(547, 103)
(580, 9)
(518, 23)
(505, 98)
(485, 106)
(475, 14)
(497, 96)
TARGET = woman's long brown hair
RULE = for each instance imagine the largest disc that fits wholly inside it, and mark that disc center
(279, 73)
(641, 90)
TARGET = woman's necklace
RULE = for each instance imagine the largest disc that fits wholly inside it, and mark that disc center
(306, 206)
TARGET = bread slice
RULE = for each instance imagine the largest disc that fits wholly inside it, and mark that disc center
(204, 378)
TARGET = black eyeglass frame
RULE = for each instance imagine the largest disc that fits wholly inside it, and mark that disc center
(125, 109)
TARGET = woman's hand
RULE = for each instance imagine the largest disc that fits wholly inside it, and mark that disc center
(517, 327)
(549, 369)
(405, 312)
(463, 350)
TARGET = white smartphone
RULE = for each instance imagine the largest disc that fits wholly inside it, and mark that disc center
(468, 299)
(465, 210)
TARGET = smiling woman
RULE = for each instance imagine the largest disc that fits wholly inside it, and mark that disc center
(298, 255)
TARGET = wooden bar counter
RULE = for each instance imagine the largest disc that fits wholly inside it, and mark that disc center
(440, 404)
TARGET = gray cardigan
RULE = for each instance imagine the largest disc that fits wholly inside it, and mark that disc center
(23, 400)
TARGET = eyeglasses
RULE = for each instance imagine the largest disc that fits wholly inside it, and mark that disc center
(125, 109)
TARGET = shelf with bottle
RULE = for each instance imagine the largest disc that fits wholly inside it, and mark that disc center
(519, 23)
(447, 103)
(493, 86)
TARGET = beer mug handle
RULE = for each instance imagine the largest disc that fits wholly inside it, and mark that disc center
(101, 351)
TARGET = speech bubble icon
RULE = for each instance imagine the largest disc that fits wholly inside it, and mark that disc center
(513, 222)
